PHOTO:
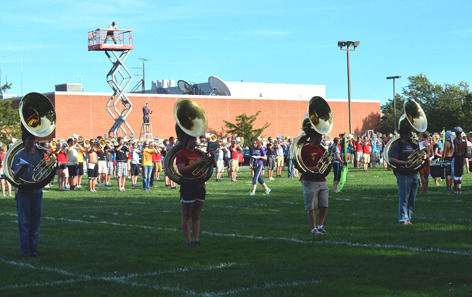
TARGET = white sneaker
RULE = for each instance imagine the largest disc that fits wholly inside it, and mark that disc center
(271, 178)
(123, 189)
(67, 186)
(78, 186)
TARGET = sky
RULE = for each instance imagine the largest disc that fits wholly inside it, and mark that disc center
(44, 43)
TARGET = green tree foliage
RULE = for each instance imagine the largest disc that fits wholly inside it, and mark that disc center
(446, 106)
(244, 127)
(9, 119)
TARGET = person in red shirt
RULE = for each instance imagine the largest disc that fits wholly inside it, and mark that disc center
(2, 174)
(315, 189)
(358, 148)
(366, 149)
(192, 197)
(61, 156)
(234, 163)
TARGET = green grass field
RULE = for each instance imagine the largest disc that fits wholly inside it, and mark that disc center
(112, 243)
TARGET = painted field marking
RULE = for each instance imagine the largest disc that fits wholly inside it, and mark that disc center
(125, 280)
(287, 239)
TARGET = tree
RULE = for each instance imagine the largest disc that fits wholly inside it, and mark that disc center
(9, 119)
(446, 106)
(244, 127)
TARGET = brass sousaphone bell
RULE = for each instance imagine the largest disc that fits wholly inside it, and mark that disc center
(320, 119)
(38, 116)
(414, 117)
(190, 120)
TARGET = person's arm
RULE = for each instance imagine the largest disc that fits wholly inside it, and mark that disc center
(189, 168)
(394, 155)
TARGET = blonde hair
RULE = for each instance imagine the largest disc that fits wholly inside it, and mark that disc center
(435, 138)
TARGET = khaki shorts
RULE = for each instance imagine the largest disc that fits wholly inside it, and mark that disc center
(102, 167)
(367, 158)
(315, 194)
(234, 165)
(220, 166)
(280, 161)
(158, 166)
(358, 156)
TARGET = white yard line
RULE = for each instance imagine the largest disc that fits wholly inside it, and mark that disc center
(125, 280)
(287, 239)
(264, 287)
(41, 284)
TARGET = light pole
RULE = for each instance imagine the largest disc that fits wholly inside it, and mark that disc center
(348, 45)
(394, 103)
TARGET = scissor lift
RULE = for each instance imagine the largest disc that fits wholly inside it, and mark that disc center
(124, 44)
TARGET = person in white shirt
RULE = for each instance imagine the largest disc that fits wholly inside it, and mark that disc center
(111, 34)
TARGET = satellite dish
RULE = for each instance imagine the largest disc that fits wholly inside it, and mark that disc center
(185, 87)
(219, 88)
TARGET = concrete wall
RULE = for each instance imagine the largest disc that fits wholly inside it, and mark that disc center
(86, 114)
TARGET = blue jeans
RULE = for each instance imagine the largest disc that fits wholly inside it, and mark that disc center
(257, 175)
(147, 177)
(291, 168)
(29, 205)
(407, 186)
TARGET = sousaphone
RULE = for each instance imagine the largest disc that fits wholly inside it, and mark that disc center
(414, 117)
(320, 119)
(190, 120)
(38, 116)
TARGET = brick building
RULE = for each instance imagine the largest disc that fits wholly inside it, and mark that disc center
(86, 114)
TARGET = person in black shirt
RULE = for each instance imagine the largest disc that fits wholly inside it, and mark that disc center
(407, 181)
(121, 163)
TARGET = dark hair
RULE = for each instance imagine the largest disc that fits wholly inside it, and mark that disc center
(119, 139)
(25, 134)
(70, 140)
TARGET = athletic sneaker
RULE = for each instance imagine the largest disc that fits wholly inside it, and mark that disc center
(271, 178)
(268, 191)
(322, 230)
(252, 194)
(315, 231)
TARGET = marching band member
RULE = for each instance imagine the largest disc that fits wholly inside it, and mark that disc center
(315, 190)
(170, 183)
(157, 161)
(135, 151)
(92, 165)
(2, 176)
(72, 162)
(257, 157)
(279, 150)
(29, 202)
(425, 145)
(457, 165)
(271, 158)
(121, 163)
(447, 155)
(147, 152)
(220, 163)
(191, 197)
(407, 181)
(234, 163)
(61, 157)
(337, 163)
(80, 160)
(102, 164)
